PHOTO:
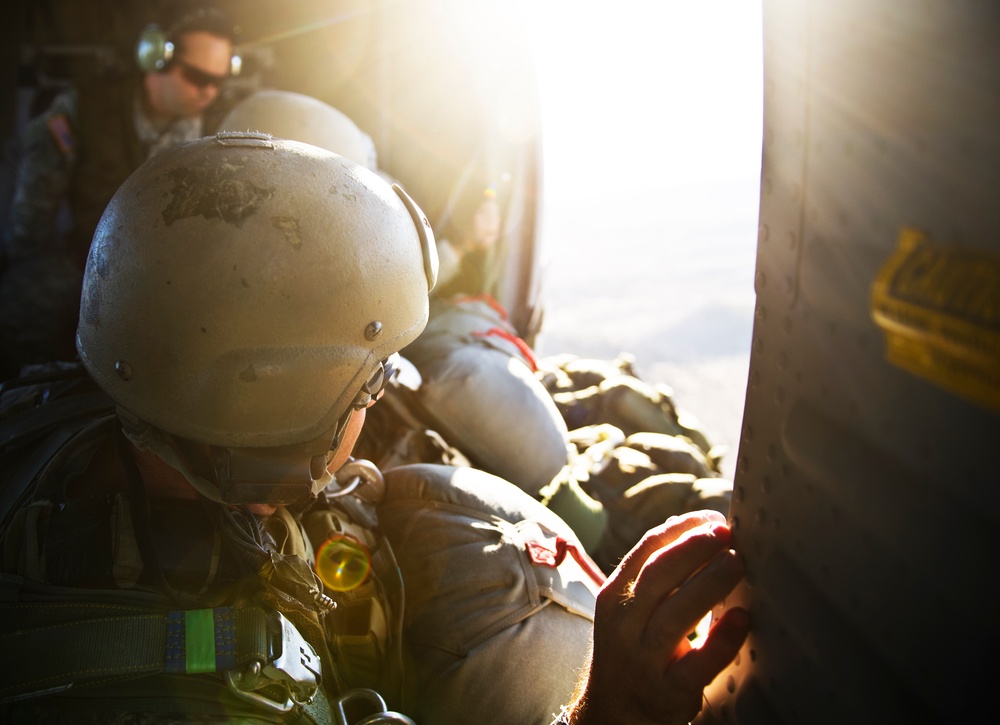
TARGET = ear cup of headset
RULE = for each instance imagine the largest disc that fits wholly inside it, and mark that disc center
(154, 50)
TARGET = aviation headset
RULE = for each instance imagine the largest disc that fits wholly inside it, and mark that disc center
(155, 48)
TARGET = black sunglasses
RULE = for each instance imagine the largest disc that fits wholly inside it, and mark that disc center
(198, 77)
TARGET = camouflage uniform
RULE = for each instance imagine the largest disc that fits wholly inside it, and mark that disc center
(72, 158)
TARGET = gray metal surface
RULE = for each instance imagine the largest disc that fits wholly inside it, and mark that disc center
(866, 493)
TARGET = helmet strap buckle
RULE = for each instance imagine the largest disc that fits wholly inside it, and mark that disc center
(261, 475)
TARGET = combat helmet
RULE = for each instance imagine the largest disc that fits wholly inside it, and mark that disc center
(295, 116)
(244, 292)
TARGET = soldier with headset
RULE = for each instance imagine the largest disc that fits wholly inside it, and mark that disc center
(185, 537)
(79, 151)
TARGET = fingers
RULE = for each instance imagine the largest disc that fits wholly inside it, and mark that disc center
(657, 538)
(632, 690)
(644, 668)
(698, 667)
(677, 614)
(669, 567)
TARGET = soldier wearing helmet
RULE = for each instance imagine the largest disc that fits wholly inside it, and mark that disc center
(296, 116)
(476, 374)
(73, 156)
(188, 537)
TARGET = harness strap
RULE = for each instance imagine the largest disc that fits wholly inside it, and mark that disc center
(61, 417)
(44, 417)
(19, 486)
(120, 642)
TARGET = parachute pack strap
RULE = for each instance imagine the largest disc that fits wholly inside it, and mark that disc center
(139, 506)
(53, 657)
(47, 416)
(526, 352)
(484, 297)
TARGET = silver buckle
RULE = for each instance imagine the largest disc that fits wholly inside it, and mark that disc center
(294, 666)
(297, 665)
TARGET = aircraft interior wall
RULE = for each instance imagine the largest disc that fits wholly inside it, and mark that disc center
(865, 496)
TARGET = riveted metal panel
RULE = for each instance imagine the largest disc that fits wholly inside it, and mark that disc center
(865, 497)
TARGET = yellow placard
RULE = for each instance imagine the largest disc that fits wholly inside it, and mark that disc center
(939, 308)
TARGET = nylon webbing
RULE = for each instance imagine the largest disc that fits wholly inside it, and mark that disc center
(19, 484)
(121, 645)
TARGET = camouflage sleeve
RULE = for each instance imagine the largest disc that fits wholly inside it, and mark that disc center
(46, 160)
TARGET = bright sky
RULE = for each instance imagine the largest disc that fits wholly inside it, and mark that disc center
(652, 127)
(650, 94)
(651, 123)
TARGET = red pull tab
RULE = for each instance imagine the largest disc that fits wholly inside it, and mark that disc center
(521, 345)
(542, 555)
(488, 299)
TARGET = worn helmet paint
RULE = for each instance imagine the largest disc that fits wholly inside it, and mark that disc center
(295, 116)
(241, 290)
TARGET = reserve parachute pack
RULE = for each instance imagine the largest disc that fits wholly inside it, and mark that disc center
(480, 393)
(610, 453)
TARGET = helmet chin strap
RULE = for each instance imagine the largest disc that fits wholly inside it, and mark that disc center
(147, 438)
(247, 475)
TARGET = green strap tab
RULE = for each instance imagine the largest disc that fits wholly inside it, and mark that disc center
(204, 640)
(199, 640)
